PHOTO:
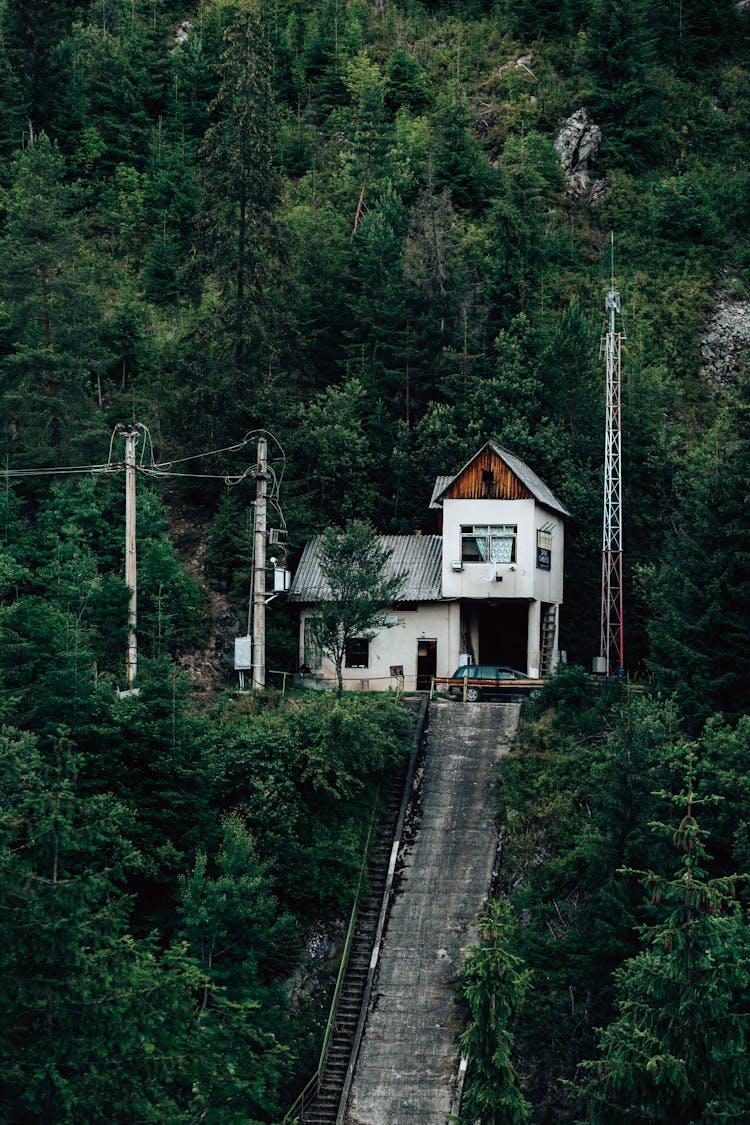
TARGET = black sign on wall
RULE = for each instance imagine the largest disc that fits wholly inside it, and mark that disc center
(543, 558)
(544, 548)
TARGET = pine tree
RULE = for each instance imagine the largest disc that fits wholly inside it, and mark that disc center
(53, 339)
(460, 164)
(98, 1025)
(699, 595)
(33, 31)
(493, 983)
(622, 59)
(678, 1049)
(240, 185)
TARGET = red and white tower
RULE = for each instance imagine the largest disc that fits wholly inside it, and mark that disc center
(612, 641)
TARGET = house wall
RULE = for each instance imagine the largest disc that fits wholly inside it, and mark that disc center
(501, 603)
(397, 645)
(520, 579)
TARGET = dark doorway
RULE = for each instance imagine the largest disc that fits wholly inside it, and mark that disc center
(503, 634)
(426, 663)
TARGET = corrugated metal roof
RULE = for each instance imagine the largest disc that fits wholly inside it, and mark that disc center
(418, 556)
(535, 484)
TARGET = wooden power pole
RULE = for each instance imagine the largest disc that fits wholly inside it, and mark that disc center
(259, 569)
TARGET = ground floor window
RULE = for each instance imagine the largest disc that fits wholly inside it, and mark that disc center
(357, 653)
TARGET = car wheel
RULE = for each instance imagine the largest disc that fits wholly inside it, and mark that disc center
(535, 693)
(472, 694)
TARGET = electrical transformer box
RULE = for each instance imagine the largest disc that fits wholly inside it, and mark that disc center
(243, 654)
(281, 579)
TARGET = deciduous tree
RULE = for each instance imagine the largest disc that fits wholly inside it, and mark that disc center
(352, 562)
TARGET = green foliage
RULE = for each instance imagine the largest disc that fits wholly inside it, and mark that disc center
(493, 984)
(698, 622)
(460, 165)
(239, 186)
(51, 325)
(626, 83)
(97, 1024)
(658, 1059)
(576, 796)
(178, 208)
(352, 563)
(333, 438)
(305, 782)
(32, 34)
(232, 922)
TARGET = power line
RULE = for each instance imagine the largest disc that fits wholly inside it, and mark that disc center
(64, 470)
(150, 467)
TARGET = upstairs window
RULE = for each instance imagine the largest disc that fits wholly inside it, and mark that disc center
(488, 543)
(357, 653)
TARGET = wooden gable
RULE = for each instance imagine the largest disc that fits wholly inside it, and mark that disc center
(486, 477)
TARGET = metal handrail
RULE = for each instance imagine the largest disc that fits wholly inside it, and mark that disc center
(399, 688)
(311, 1089)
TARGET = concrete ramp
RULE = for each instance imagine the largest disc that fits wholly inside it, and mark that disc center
(406, 1067)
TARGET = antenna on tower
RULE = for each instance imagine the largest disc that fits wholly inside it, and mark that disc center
(611, 649)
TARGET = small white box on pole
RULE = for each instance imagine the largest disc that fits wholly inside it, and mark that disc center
(243, 654)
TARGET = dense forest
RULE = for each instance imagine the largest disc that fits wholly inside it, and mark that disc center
(347, 224)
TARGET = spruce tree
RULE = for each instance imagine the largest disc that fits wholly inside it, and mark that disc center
(493, 983)
(240, 188)
(678, 1048)
(622, 59)
(52, 330)
(699, 593)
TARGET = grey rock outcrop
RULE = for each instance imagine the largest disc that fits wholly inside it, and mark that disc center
(577, 144)
(726, 343)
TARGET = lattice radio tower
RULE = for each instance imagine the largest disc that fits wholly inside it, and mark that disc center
(612, 647)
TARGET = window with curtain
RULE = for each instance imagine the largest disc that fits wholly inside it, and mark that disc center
(495, 543)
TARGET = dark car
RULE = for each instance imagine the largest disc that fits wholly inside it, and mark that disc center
(491, 681)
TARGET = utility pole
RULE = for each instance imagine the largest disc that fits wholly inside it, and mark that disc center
(130, 434)
(611, 648)
(259, 570)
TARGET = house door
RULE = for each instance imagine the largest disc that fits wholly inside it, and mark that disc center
(426, 663)
(503, 636)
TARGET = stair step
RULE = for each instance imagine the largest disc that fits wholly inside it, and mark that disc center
(323, 1109)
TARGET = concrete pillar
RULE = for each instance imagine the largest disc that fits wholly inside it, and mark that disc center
(532, 644)
(449, 659)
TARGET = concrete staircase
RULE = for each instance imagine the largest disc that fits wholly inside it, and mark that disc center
(406, 1070)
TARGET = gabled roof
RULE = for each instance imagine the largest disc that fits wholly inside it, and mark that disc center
(419, 557)
(441, 483)
(530, 484)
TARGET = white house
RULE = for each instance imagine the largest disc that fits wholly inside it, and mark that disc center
(487, 589)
